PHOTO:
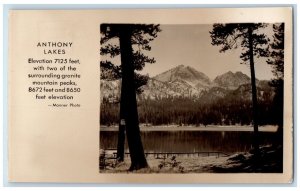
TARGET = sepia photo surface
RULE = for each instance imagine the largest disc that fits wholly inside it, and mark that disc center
(192, 105)
(167, 96)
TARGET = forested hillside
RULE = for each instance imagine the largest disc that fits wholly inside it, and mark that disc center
(225, 101)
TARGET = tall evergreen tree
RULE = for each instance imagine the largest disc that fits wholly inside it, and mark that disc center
(276, 60)
(248, 37)
(133, 38)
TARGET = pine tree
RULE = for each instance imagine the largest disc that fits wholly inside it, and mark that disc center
(246, 36)
(276, 60)
(133, 38)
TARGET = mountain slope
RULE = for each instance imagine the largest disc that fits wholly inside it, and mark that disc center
(231, 80)
(185, 74)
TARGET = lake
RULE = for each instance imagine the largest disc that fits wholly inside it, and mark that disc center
(191, 140)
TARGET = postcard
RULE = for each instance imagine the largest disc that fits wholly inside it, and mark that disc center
(151, 96)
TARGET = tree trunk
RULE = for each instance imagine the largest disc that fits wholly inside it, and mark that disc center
(128, 100)
(122, 127)
(254, 93)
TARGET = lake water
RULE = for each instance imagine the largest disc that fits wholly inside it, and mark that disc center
(191, 141)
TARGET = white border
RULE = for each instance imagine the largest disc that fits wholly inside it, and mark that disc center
(187, 3)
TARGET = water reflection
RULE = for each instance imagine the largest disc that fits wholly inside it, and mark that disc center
(191, 141)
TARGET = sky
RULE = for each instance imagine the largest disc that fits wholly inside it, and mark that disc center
(190, 45)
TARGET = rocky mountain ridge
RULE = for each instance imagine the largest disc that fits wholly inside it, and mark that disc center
(184, 81)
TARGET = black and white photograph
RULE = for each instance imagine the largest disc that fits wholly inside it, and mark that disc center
(199, 96)
(191, 98)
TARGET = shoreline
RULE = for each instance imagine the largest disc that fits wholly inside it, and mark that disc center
(179, 165)
(265, 128)
(238, 162)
